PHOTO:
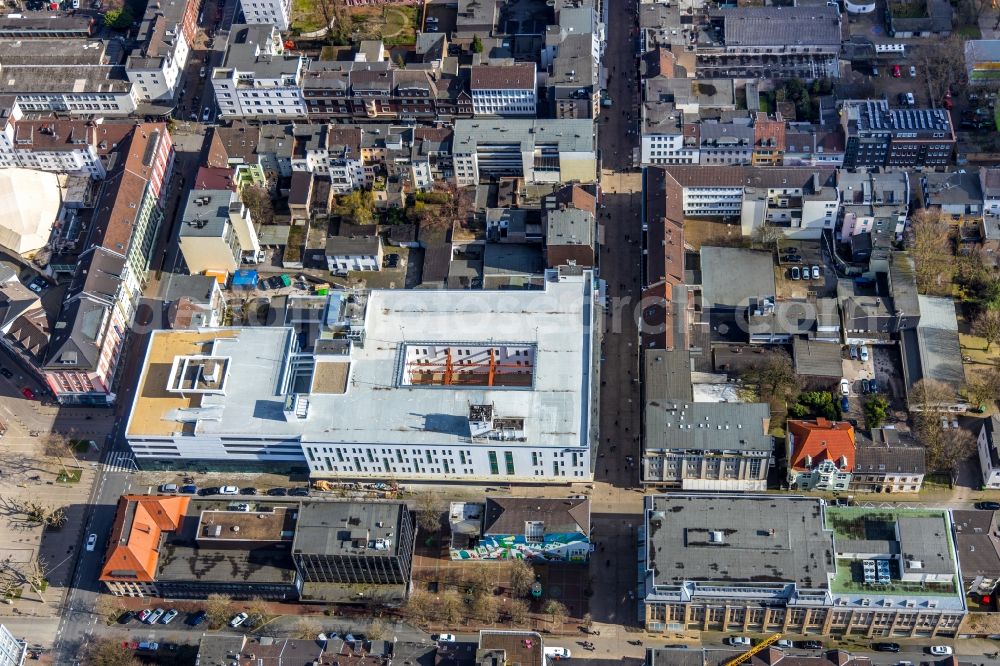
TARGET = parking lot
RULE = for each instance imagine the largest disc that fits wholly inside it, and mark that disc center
(795, 258)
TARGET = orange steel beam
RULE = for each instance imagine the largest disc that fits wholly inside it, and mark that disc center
(448, 369)
(493, 368)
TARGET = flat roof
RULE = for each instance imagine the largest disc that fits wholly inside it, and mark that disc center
(722, 286)
(708, 426)
(817, 25)
(570, 134)
(733, 538)
(370, 529)
(261, 522)
(937, 337)
(378, 406)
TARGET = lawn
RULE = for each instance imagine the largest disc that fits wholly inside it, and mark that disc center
(395, 26)
(849, 580)
(70, 476)
(306, 16)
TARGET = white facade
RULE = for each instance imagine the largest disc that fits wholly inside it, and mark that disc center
(12, 651)
(258, 79)
(99, 99)
(158, 78)
(989, 458)
(341, 264)
(667, 149)
(504, 102)
(275, 12)
(76, 158)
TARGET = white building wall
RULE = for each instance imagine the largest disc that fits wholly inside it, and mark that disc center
(991, 475)
(274, 12)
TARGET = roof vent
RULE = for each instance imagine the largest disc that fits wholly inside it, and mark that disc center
(716, 536)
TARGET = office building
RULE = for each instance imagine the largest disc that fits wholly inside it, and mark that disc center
(268, 12)
(13, 652)
(217, 233)
(257, 78)
(166, 36)
(877, 135)
(789, 564)
(503, 90)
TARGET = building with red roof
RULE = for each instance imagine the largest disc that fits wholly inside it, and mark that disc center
(821, 454)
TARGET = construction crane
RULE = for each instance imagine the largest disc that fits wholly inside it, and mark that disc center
(756, 649)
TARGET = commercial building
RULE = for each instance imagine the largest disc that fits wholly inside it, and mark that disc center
(702, 445)
(503, 90)
(83, 354)
(217, 232)
(539, 151)
(771, 42)
(275, 548)
(166, 36)
(257, 78)
(418, 384)
(820, 455)
(272, 12)
(529, 528)
(877, 135)
(933, 351)
(766, 563)
(56, 144)
(989, 457)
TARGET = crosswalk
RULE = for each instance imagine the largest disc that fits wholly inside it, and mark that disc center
(121, 461)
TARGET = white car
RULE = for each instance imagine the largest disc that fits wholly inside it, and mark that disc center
(229, 490)
(864, 353)
(913, 72)
(845, 387)
(784, 643)
(91, 543)
(556, 653)
(941, 650)
(738, 640)
(444, 638)
(238, 620)
(206, 114)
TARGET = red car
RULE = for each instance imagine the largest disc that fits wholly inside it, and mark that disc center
(896, 71)
(28, 393)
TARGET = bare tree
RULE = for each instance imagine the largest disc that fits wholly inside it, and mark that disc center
(933, 258)
(419, 607)
(987, 326)
(946, 448)
(930, 395)
(377, 629)
(485, 608)
(307, 628)
(217, 610)
(984, 387)
(258, 612)
(56, 446)
(109, 607)
(450, 610)
(518, 609)
(556, 610)
(481, 579)
(767, 235)
(774, 376)
(109, 652)
(257, 199)
(522, 577)
(588, 621)
(429, 510)
(940, 63)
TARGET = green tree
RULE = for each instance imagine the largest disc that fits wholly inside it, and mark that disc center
(358, 205)
(119, 19)
(876, 410)
(477, 44)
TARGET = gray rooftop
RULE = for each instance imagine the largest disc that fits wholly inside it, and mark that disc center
(570, 135)
(978, 548)
(668, 375)
(679, 546)
(923, 539)
(250, 50)
(569, 226)
(724, 287)
(707, 426)
(817, 359)
(206, 213)
(937, 336)
(349, 528)
(782, 26)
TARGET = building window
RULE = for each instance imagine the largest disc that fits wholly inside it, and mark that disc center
(509, 459)
(494, 467)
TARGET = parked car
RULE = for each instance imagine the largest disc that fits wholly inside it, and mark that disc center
(809, 645)
(197, 618)
(169, 616)
(299, 492)
(206, 114)
(248, 491)
(988, 506)
(845, 404)
(444, 638)
(229, 490)
(391, 260)
(784, 643)
(91, 543)
(913, 71)
(873, 385)
(204, 492)
(238, 620)
(556, 653)
(910, 100)
(865, 386)
(28, 393)
(854, 353)
(148, 646)
(168, 488)
(795, 273)
(155, 616)
(126, 617)
(886, 647)
(845, 387)
(277, 492)
(864, 353)
(6, 373)
(896, 71)
(738, 640)
(189, 489)
(815, 271)
(941, 650)
(144, 614)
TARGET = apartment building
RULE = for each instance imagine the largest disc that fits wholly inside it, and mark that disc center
(217, 233)
(771, 42)
(767, 563)
(539, 151)
(821, 455)
(666, 138)
(989, 458)
(334, 151)
(166, 35)
(430, 157)
(703, 446)
(267, 12)
(354, 252)
(257, 78)
(888, 464)
(82, 358)
(475, 408)
(877, 135)
(873, 201)
(503, 90)
(13, 652)
(57, 145)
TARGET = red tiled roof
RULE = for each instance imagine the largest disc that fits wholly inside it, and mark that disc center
(519, 76)
(821, 440)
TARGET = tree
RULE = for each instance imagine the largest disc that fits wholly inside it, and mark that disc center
(258, 612)
(522, 577)
(774, 376)
(987, 326)
(477, 44)
(819, 403)
(518, 610)
(307, 628)
(876, 410)
(257, 199)
(109, 652)
(428, 509)
(56, 446)
(933, 259)
(358, 205)
(400, 62)
(377, 629)
(946, 448)
(109, 607)
(481, 579)
(556, 610)
(217, 610)
(119, 19)
(984, 387)
(588, 621)
(929, 395)
(419, 607)
(485, 608)
(450, 608)
(767, 235)
(939, 64)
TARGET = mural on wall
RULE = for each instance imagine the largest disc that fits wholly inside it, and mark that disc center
(566, 547)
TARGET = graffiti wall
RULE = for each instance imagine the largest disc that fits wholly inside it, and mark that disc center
(567, 547)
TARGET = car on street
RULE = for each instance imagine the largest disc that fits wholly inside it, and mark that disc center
(896, 71)
(444, 638)
(126, 617)
(845, 387)
(206, 114)
(941, 650)
(144, 614)
(155, 616)
(886, 647)
(189, 489)
(229, 490)
(815, 271)
(809, 645)
(845, 404)
(737, 640)
(795, 273)
(197, 618)
(299, 492)
(910, 99)
(28, 393)
(277, 492)
(169, 616)
(208, 491)
(864, 353)
(248, 491)
(873, 385)
(784, 643)
(913, 71)
(238, 620)
(865, 386)
(91, 543)
(168, 488)
(6, 373)
(988, 506)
